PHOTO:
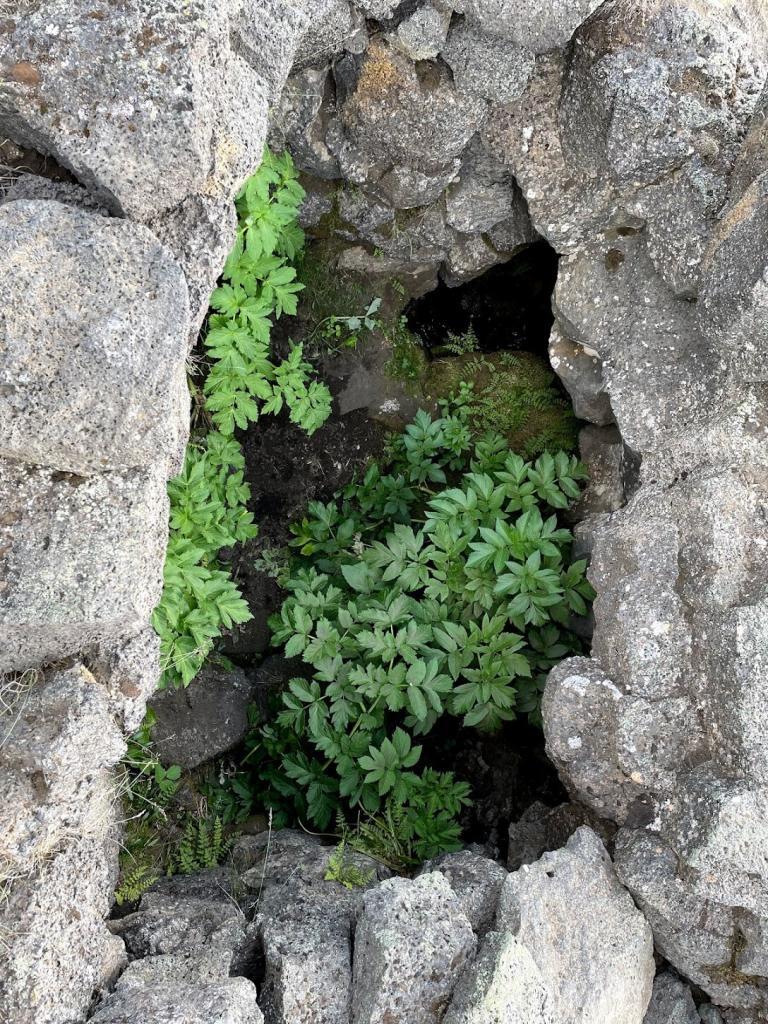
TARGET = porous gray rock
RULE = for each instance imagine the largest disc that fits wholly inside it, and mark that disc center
(93, 368)
(199, 233)
(306, 935)
(123, 131)
(591, 945)
(671, 1002)
(409, 147)
(57, 950)
(59, 593)
(129, 670)
(422, 34)
(543, 829)
(485, 65)
(734, 300)
(231, 1001)
(539, 27)
(299, 122)
(194, 724)
(334, 26)
(477, 882)
(411, 941)
(56, 746)
(502, 984)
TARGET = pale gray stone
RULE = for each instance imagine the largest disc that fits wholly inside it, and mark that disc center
(230, 1001)
(411, 942)
(734, 306)
(56, 947)
(502, 984)
(592, 946)
(56, 742)
(129, 670)
(306, 935)
(172, 112)
(422, 35)
(93, 370)
(81, 562)
(477, 882)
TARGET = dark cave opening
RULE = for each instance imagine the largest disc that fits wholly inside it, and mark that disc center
(509, 307)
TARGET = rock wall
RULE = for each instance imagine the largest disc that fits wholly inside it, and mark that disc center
(441, 136)
(158, 112)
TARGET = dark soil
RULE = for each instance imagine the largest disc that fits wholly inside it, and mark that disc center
(286, 469)
(509, 307)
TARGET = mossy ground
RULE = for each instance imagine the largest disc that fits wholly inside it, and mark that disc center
(516, 394)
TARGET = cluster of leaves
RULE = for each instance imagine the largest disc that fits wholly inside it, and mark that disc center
(209, 499)
(202, 845)
(439, 584)
(515, 393)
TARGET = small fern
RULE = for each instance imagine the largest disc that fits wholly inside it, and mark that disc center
(202, 845)
(134, 885)
(340, 869)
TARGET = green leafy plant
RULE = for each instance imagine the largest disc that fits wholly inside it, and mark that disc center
(202, 845)
(513, 393)
(134, 885)
(342, 869)
(459, 344)
(344, 331)
(209, 499)
(440, 584)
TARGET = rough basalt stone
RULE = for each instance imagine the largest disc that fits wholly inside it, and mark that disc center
(671, 1002)
(306, 935)
(477, 882)
(81, 559)
(502, 984)
(539, 27)
(231, 1001)
(57, 950)
(411, 941)
(93, 368)
(591, 945)
(145, 104)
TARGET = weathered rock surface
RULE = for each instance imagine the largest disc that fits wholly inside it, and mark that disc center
(57, 950)
(411, 941)
(306, 935)
(232, 1001)
(502, 984)
(671, 1002)
(539, 27)
(592, 947)
(61, 593)
(544, 829)
(93, 368)
(139, 139)
(476, 881)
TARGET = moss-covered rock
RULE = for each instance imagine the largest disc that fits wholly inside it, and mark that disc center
(515, 393)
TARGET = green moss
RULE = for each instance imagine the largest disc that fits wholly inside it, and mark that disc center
(408, 363)
(328, 291)
(516, 394)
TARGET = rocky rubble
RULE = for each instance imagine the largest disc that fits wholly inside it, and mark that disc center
(159, 115)
(436, 139)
